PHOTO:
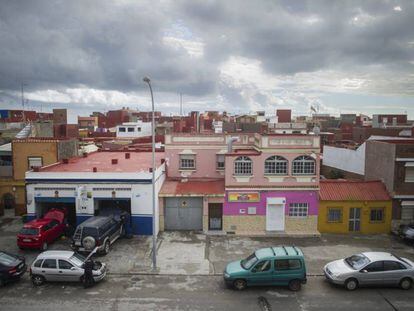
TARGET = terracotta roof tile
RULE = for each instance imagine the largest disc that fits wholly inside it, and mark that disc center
(173, 187)
(345, 190)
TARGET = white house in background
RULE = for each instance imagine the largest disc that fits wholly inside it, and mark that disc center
(133, 129)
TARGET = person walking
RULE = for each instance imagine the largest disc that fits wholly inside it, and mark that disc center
(88, 280)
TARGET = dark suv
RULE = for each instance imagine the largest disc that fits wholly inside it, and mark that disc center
(97, 231)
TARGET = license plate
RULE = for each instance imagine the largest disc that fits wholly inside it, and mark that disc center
(27, 240)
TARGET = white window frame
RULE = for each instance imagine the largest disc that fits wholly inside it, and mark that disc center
(218, 157)
(409, 174)
(187, 161)
(304, 165)
(298, 210)
(36, 160)
(243, 166)
(276, 165)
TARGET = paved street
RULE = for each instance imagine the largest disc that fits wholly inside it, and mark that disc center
(196, 293)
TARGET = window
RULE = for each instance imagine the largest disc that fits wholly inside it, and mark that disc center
(262, 266)
(187, 161)
(298, 209)
(64, 265)
(139, 129)
(220, 162)
(377, 215)
(392, 265)
(131, 129)
(243, 166)
(38, 263)
(49, 263)
(276, 165)
(54, 223)
(377, 266)
(34, 162)
(122, 129)
(303, 165)
(334, 215)
(287, 264)
(409, 174)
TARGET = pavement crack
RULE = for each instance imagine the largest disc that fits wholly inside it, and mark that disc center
(264, 304)
(388, 301)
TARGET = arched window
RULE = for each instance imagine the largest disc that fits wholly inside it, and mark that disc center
(276, 165)
(303, 165)
(243, 166)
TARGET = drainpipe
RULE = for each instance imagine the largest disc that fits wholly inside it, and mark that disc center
(230, 143)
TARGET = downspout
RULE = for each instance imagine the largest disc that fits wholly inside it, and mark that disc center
(230, 143)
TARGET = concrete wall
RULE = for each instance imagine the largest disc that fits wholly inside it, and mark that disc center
(345, 159)
(67, 149)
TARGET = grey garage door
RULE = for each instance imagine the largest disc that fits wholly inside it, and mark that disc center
(184, 213)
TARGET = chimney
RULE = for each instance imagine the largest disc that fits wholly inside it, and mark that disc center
(114, 161)
(95, 169)
(230, 144)
(127, 155)
(65, 161)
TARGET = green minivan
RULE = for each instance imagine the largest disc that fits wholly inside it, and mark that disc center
(281, 265)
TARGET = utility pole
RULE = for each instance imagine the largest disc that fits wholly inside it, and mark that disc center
(22, 85)
(181, 104)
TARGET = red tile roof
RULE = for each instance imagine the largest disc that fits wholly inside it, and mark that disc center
(138, 161)
(345, 190)
(192, 188)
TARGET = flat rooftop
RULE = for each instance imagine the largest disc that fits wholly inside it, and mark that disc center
(138, 161)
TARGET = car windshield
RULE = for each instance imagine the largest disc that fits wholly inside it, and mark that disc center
(249, 261)
(6, 259)
(77, 259)
(89, 231)
(29, 231)
(357, 261)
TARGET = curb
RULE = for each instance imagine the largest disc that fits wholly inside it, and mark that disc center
(171, 274)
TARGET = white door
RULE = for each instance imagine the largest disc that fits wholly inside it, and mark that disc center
(275, 217)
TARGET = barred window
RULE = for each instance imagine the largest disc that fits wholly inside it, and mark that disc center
(243, 166)
(303, 165)
(187, 161)
(334, 215)
(220, 162)
(377, 215)
(298, 209)
(276, 165)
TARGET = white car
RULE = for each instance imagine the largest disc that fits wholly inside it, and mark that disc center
(371, 268)
(63, 266)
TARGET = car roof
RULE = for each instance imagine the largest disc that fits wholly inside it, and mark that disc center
(375, 256)
(279, 251)
(56, 255)
(95, 221)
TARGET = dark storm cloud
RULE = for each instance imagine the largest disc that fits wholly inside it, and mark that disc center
(110, 45)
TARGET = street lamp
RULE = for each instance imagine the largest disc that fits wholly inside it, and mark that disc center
(154, 236)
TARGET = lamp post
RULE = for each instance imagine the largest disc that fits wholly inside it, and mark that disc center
(154, 236)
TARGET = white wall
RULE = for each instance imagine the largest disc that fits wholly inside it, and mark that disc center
(345, 159)
(140, 129)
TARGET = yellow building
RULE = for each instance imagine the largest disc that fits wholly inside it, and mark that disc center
(354, 207)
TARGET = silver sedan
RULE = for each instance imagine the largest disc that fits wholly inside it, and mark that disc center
(371, 268)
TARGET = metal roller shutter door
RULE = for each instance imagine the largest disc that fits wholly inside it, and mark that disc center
(184, 213)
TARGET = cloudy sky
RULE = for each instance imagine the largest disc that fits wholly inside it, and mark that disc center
(238, 56)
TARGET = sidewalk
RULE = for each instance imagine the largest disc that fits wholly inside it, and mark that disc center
(187, 253)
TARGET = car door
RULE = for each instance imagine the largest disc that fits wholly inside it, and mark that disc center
(49, 270)
(261, 273)
(286, 270)
(372, 274)
(47, 233)
(54, 228)
(68, 272)
(393, 272)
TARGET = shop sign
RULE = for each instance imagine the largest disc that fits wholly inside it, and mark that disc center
(243, 197)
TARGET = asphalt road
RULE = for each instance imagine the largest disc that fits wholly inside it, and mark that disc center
(196, 293)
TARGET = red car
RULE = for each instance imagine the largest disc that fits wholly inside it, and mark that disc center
(39, 233)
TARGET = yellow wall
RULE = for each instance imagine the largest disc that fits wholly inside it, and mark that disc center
(367, 226)
(18, 190)
(23, 150)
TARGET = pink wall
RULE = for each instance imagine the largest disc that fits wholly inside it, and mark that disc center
(259, 177)
(304, 196)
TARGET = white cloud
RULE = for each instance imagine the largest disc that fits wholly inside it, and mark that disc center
(193, 48)
(397, 8)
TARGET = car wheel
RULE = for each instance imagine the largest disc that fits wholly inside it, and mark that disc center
(295, 285)
(351, 284)
(44, 246)
(406, 283)
(106, 247)
(239, 284)
(38, 280)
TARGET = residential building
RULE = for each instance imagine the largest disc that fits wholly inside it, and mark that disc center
(133, 129)
(284, 115)
(354, 207)
(89, 123)
(99, 182)
(385, 120)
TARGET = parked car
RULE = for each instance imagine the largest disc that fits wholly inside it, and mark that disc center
(39, 233)
(63, 266)
(12, 267)
(97, 231)
(406, 232)
(283, 265)
(371, 268)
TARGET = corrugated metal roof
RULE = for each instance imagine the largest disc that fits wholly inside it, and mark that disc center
(192, 188)
(345, 190)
